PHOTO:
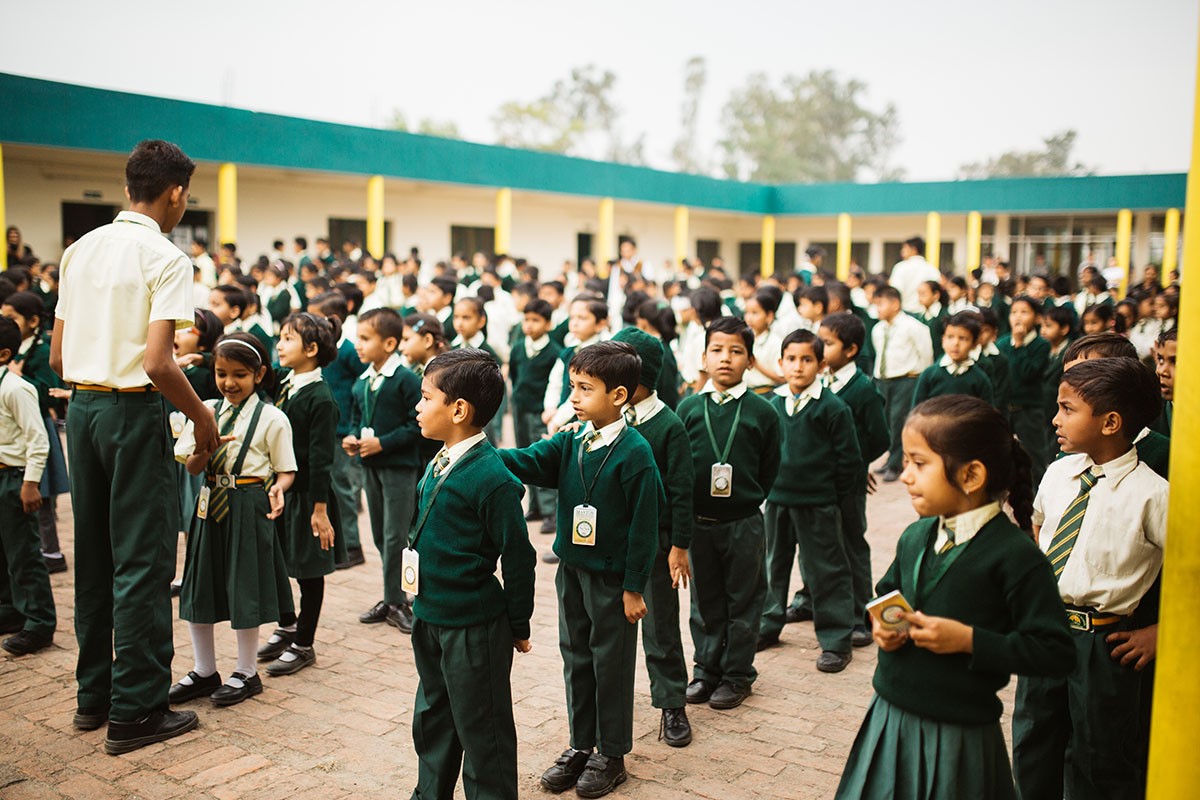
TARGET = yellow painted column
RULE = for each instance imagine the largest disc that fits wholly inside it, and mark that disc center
(1124, 239)
(843, 251)
(227, 212)
(681, 235)
(933, 239)
(3, 219)
(1174, 768)
(602, 246)
(503, 221)
(1170, 245)
(767, 257)
(375, 243)
(974, 240)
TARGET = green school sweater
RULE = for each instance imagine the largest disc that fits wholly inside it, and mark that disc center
(394, 419)
(1001, 306)
(936, 381)
(484, 346)
(866, 354)
(313, 413)
(668, 379)
(257, 332)
(1154, 450)
(1026, 365)
(559, 332)
(1001, 585)
(673, 456)
(35, 368)
(1051, 377)
(754, 456)
(475, 520)
(627, 494)
(1162, 424)
(870, 421)
(200, 376)
(529, 376)
(821, 463)
(340, 376)
(996, 367)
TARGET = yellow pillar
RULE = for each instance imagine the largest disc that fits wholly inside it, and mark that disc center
(603, 244)
(681, 235)
(1170, 245)
(933, 239)
(375, 243)
(974, 240)
(1124, 239)
(843, 251)
(503, 221)
(227, 203)
(767, 259)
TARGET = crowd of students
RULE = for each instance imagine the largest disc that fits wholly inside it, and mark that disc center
(690, 432)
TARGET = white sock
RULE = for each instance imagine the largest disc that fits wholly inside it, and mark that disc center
(276, 638)
(247, 645)
(204, 652)
(291, 654)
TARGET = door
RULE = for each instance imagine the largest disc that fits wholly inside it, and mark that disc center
(80, 218)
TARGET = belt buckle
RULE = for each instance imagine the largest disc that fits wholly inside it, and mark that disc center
(1079, 620)
(226, 482)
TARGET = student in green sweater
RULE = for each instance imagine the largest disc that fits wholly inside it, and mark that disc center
(1164, 368)
(470, 322)
(933, 315)
(991, 360)
(1027, 355)
(1058, 329)
(466, 624)
(534, 353)
(956, 372)
(610, 498)
(383, 421)
(985, 607)
(734, 437)
(657, 318)
(661, 639)
(817, 473)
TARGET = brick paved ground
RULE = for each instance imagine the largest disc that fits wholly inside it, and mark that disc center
(341, 729)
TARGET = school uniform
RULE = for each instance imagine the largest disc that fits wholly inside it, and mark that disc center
(234, 569)
(346, 478)
(615, 475)
(728, 539)
(1026, 410)
(445, 316)
(767, 347)
(1051, 378)
(995, 365)
(1163, 423)
(115, 280)
(818, 470)
(903, 350)
(466, 621)
(866, 354)
(495, 427)
(668, 379)
(933, 728)
(1103, 527)
(34, 358)
(953, 377)
(934, 318)
(252, 327)
(1001, 305)
(200, 377)
(529, 367)
(558, 387)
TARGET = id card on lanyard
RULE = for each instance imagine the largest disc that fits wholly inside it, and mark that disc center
(410, 568)
(721, 476)
(370, 403)
(584, 526)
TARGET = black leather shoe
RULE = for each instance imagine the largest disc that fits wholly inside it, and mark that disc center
(12, 626)
(271, 650)
(377, 613)
(303, 657)
(829, 661)
(401, 617)
(765, 642)
(89, 718)
(566, 770)
(891, 476)
(199, 687)
(728, 696)
(157, 726)
(533, 516)
(698, 691)
(860, 636)
(176, 589)
(793, 614)
(601, 776)
(56, 563)
(675, 729)
(25, 642)
(354, 557)
(549, 558)
(228, 695)
(548, 525)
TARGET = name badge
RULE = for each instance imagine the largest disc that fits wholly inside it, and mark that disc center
(721, 482)
(583, 526)
(410, 571)
(366, 433)
(202, 504)
(178, 420)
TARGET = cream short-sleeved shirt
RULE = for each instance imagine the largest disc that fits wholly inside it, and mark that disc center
(270, 452)
(115, 281)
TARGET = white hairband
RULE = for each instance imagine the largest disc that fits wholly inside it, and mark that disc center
(246, 345)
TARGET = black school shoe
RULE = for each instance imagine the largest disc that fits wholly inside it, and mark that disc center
(675, 729)
(354, 557)
(727, 696)
(860, 636)
(548, 525)
(279, 641)
(228, 695)
(89, 718)
(12, 626)
(698, 691)
(566, 770)
(303, 657)
(56, 563)
(794, 614)
(199, 687)
(766, 642)
(401, 617)
(549, 557)
(25, 642)
(829, 661)
(157, 726)
(601, 776)
(377, 613)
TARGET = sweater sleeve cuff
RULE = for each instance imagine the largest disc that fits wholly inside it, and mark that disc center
(635, 581)
(990, 651)
(520, 630)
(681, 540)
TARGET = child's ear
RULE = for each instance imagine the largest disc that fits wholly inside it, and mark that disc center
(972, 477)
(311, 350)
(620, 396)
(463, 412)
(851, 351)
(391, 343)
(262, 373)
(1112, 424)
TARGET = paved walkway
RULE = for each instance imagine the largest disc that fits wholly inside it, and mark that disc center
(341, 729)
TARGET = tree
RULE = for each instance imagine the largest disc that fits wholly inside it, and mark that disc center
(684, 152)
(813, 128)
(447, 129)
(1053, 159)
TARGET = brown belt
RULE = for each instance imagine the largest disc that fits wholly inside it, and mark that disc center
(228, 480)
(92, 387)
(1086, 619)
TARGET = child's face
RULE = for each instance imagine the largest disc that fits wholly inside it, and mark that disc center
(235, 380)
(225, 312)
(1078, 428)
(187, 342)
(551, 296)
(293, 353)
(593, 401)
(746, 289)
(1161, 309)
(813, 312)
(1021, 318)
(1128, 315)
(436, 415)
(1055, 333)
(439, 299)
(957, 342)
(954, 291)
(800, 365)
(535, 326)
(887, 307)
(1092, 324)
(467, 321)
(1146, 307)
(367, 287)
(582, 323)
(27, 324)
(985, 293)
(1038, 288)
(756, 317)
(271, 278)
(837, 355)
(987, 335)
(1164, 368)
(925, 295)
(371, 347)
(924, 476)
(416, 347)
(726, 359)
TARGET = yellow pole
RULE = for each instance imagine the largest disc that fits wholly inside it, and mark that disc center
(933, 239)
(1174, 768)
(227, 203)
(1124, 238)
(681, 235)
(3, 222)
(503, 221)
(1170, 245)
(843, 251)
(767, 259)
(603, 244)
(974, 240)
(375, 243)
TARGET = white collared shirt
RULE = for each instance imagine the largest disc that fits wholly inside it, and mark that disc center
(909, 346)
(792, 407)
(270, 451)
(457, 451)
(535, 346)
(645, 410)
(295, 381)
(388, 369)
(909, 274)
(23, 439)
(1120, 546)
(956, 367)
(735, 392)
(843, 377)
(965, 525)
(767, 348)
(608, 434)
(475, 341)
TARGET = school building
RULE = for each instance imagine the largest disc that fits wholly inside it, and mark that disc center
(263, 177)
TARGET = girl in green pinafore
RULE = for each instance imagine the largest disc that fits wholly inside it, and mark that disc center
(986, 606)
(235, 567)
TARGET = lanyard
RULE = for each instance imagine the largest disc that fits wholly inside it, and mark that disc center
(724, 454)
(371, 398)
(415, 533)
(588, 487)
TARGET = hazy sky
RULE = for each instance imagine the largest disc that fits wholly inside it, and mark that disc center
(969, 79)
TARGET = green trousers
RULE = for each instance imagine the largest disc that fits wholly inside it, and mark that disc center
(854, 535)
(123, 494)
(599, 651)
(897, 398)
(662, 640)
(463, 715)
(346, 480)
(729, 586)
(528, 428)
(824, 566)
(1083, 734)
(391, 502)
(1029, 424)
(24, 582)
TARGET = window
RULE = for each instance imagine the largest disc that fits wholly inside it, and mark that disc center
(707, 250)
(860, 253)
(194, 225)
(354, 230)
(467, 240)
(750, 257)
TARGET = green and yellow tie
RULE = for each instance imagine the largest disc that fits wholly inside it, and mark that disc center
(630, 416)
(589, 438)
(440, 464)
(1072, 521)
(218, 504)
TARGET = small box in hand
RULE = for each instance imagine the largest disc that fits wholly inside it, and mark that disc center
(887, 610)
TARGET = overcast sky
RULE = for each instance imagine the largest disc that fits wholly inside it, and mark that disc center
(969, 79)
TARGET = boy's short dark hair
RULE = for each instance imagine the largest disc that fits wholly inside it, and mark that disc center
(988, 318)
(969, 321)
(816, 295)
(888, 293)
(527, 288)
(353, 295)
(614, 363)
(1063, 316)
(447, 286)
(597, 308)
(557, 286)
(1169, 335)
(10, 337)
(1100, 345)
(386, 322)
(154, 167)
(801, 336)
(839, 291)
(848, 329)
(302, 242)
(540, 307)
(768, 301)
(1123, 385)
(916, 243)
(732, 326)
(469, 374)
(369, 275)
(235, 296)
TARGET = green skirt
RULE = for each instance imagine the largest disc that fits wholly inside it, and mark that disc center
(898, 755)
(301, 550)
(189, 486)
(234, 569)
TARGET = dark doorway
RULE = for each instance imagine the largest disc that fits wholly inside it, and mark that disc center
(80, 218)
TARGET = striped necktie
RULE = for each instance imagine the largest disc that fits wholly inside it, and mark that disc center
(630, 416)
(440, 463)
(949, 545)
(589, 438)
(797, 401)
(1071, 523)
(218, 505)
(722, 397)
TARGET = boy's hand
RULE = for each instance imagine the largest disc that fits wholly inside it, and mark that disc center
(321, 526)
(888, 641)
(940, 634)
(1138, 647)
(522, 645)
(635, 607)
(60, 394)
(276, 498)
(677, 562)
(1018, 334)
(31, 497)
(369, 447)
(16, 367)
(872, 482)
(190, 360)
(350, 445)
(547, 416)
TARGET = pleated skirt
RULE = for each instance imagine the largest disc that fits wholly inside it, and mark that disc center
(301, 550)
(54, 478)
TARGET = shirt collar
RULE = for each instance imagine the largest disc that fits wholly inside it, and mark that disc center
(735, 392)
(459, 450)
(536, 345)
(1114, 470)
(26, 344)
(646, 409)
(956, 367)
(475, 341)
(608, 434)
(843, 376)
(812, 391)
(966, 524)
(389, 368)
(139, 219)
(295, 381)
